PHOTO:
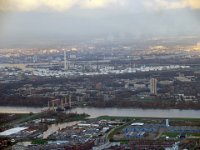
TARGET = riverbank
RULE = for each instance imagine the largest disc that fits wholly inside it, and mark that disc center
(153, 103)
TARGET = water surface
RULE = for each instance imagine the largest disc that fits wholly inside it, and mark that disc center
(131, 112)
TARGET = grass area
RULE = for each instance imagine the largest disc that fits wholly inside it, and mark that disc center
(185, 119)
(126, 119)
(60, 117)
(141, 118)
(124, 141)
(22, 118)
(174, 135)
(194, 134)
(39, 142)
(149, 99)
(6, 118)
(171, 134)
(29, 117)
(148, 120)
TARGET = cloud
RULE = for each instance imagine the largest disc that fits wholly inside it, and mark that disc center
(3, 4)
(3, 15)
(55, 5)
(167, 4)
(194, 4)
(63, 5)
(171, 4)
(59, 5)
(92, 4)
(38, 5)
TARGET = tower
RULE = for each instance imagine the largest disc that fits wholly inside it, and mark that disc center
(66, 64)
(153, 86)
(167, 122)
(70, 101)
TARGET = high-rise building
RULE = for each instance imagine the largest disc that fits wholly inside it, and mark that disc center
(153, 86)
(66, 64)
(35, 58)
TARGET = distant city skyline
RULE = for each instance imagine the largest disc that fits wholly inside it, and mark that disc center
(24, 21)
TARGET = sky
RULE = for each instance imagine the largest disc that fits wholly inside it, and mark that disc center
(37, 20)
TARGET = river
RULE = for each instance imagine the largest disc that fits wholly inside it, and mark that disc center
(55, 127)
(131, 112)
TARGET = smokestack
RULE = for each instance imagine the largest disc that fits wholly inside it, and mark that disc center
(70, 101)
(62, 105)
(53, 105)
(65, 61)
(167, 122)
(65, 100)
(48, 105)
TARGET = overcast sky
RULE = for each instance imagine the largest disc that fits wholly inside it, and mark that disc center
(53, 19)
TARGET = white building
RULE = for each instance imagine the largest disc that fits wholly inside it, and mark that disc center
(153, 86)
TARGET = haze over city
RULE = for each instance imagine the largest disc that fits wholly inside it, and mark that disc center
(35, 21)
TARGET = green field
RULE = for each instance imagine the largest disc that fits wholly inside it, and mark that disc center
(171, 134)
(194, 134)
(39, 142)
